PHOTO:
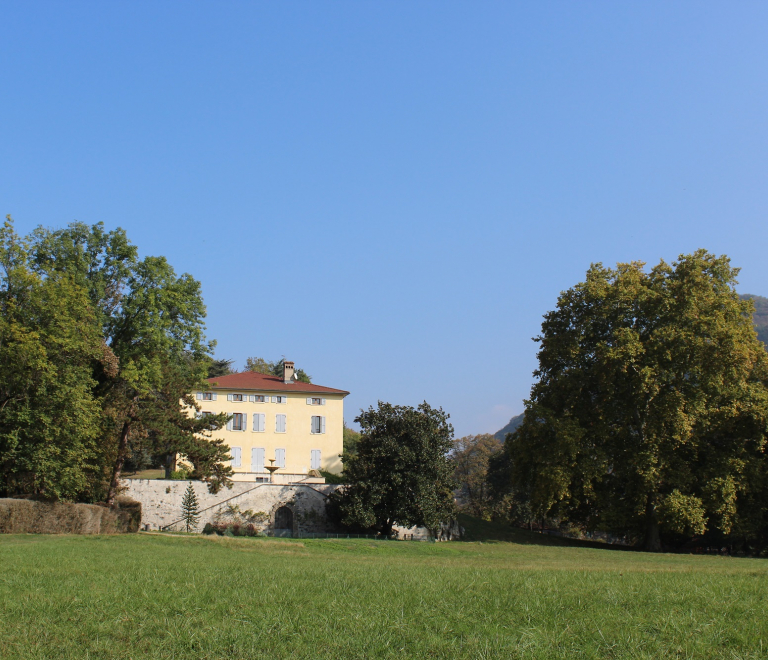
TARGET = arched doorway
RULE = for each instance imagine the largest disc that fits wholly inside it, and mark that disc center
(283, 521)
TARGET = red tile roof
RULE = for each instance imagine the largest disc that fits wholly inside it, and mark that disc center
(250, 380)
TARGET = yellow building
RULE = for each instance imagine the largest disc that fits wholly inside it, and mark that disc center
(298, 425)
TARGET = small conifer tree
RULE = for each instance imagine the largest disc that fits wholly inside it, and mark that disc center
(190, 512)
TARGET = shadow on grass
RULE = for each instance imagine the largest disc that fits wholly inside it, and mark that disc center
(476, 529)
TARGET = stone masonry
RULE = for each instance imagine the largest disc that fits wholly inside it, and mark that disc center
(161, 502)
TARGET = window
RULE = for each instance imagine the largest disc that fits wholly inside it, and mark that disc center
(257, 398)
(238, 422)
(257, 459)
(206, 396)
(315, 401)
(259, 422)
(234, 452)
(317, 425)
(236, 397)
(280, 457)
(279, 423)
(279, 399)
(262, 480)
(314, 459)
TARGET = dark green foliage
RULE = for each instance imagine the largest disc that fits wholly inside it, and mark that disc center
(471, 456)
(351, 438)
(220, 368)
(190, 510)
(49, 343)
(100, 351)
(231, 529)
(650, 411)
(401, 474)
(332, 478)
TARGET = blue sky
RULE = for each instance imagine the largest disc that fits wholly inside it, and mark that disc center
(393, 194)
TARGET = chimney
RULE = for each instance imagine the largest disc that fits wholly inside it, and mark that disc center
(288, 372)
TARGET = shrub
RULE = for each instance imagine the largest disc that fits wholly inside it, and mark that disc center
(209, 529)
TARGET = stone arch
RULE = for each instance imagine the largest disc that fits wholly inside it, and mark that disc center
(283, 518)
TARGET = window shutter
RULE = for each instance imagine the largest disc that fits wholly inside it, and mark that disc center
(213, 396)
(262, 422)
(229, 397)
(257, 459)
(280, 423)
(309, 400)
(280, 457)
(322, 425)
(235, 457)
(256, 421)
(199, 396)
(322, 402)
(274, 399)
(315, 459)
(244, 427)
(229, 424)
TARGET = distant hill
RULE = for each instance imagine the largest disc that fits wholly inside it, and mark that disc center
(513, 424)
(760, 319)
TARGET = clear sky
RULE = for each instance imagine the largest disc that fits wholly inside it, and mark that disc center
(391, 194)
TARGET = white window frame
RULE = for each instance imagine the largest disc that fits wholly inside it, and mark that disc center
(244, 422)
(320, 425)
(280, 398)
(258, 398)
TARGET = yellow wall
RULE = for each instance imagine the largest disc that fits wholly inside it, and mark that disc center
(297, 441)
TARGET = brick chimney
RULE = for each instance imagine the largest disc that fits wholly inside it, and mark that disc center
(288, 371)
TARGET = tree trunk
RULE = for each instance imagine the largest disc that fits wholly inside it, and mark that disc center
(122, 450)
(652, 540)
(170, 465)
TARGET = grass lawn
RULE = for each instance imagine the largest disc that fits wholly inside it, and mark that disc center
(145, 474)
(157, 596)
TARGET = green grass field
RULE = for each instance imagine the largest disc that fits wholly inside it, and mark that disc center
(158, 596)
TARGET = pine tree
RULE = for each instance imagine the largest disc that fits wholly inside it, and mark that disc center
(190, 512)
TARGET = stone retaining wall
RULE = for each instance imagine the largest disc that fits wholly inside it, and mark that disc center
(161, 505)
(161, 502)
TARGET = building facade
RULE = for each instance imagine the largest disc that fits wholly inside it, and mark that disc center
(298, 427)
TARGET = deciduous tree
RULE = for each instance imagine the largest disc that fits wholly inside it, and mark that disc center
(650, 405)
(470, 456)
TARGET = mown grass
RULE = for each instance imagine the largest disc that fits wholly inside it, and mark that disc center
(157, 596)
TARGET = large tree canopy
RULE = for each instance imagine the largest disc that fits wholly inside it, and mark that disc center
(49, 342)
(400, 473)
(650, 409)
(135, 331)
